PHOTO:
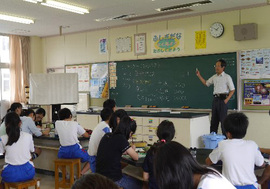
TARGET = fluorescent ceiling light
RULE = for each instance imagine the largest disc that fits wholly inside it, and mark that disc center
(182, 6)
(121, 17)
(16, 19)
(33, 1)
(64, 6)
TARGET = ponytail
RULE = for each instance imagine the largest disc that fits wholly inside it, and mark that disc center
(12, 122)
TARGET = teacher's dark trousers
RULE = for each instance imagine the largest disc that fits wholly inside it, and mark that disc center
(219, 112)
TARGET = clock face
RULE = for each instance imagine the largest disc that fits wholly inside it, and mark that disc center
(216, 29)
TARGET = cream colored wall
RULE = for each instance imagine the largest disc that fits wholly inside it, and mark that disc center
(36, 60)
(83, 47)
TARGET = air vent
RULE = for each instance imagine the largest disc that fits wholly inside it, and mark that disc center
(183, 6)
(159, 14)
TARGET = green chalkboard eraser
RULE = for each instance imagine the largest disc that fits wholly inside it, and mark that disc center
(144, 106)
(128, 106)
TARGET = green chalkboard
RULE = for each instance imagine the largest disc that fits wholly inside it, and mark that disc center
(170, 82)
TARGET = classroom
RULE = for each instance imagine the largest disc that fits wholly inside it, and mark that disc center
(115, 48)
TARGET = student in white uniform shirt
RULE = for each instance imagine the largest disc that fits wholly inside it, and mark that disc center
(238, 156)
(68, 132)
(175, 168)
(223, 91)
(17, 146)
(100, 130)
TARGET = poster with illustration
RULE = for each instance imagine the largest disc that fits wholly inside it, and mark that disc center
(256, 92)
(255, 63)
(103, 46)
(168, 42)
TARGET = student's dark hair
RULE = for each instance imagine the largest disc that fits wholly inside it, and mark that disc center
(117, 114)
(165, 133)
(236, 124)
(126, 126)
(41, 111)
(94, 181)
(174, 167)
(64, 113)
(29, 111)
(12, 122)
(14, 106)
(106, 113)
(109, 103)
(223, 63)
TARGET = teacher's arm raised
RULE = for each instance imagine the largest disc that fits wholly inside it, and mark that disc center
(200, 77)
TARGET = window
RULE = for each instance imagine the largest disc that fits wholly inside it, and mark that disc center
(4, 49)
(4, 68)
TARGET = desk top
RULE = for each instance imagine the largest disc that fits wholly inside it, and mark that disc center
(184, 115)
(201, 155)
(56, 138)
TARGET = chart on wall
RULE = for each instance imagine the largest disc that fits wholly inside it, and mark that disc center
(255, 63)
(83, 72)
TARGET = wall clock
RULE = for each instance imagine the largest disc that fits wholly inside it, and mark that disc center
(216, 29)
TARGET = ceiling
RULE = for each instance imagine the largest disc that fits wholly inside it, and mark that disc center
(48, 20)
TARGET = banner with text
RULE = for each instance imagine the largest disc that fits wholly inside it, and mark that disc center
(168, 42)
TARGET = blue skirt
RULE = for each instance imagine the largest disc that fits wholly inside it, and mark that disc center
(73, 152)
(18, 173)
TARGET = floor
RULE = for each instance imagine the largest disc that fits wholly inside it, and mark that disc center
(46, 182)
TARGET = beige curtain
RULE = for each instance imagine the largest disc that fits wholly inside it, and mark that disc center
(19, 67)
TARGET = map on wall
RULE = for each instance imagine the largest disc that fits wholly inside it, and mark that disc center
(99, 77)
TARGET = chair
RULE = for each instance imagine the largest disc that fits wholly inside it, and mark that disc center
(62, 164)
(23, 185)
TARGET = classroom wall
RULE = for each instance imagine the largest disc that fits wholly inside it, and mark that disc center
(83, 47)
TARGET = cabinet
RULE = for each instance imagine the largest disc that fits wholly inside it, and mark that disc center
(188, 131)
(88, 121)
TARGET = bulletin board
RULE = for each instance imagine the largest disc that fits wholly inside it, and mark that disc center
(255, 79)
(92, 78)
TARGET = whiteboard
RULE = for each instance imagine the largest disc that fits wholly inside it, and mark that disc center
(56, 88)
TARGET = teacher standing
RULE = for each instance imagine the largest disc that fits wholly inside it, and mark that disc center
(223, 91)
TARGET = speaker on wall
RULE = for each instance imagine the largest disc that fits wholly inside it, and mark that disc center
(245, 32)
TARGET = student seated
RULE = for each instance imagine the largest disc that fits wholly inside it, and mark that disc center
(165, 133)
(17, 146)
(30, 113)
(40, 114)
(94, 181)
(100, 130)
(116, 117)
(15, 107)
(238, 156)
(68, 132)
(110, 151)
(175, 168)
(109, 103)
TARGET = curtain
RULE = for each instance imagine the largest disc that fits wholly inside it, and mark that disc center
(19, 67)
